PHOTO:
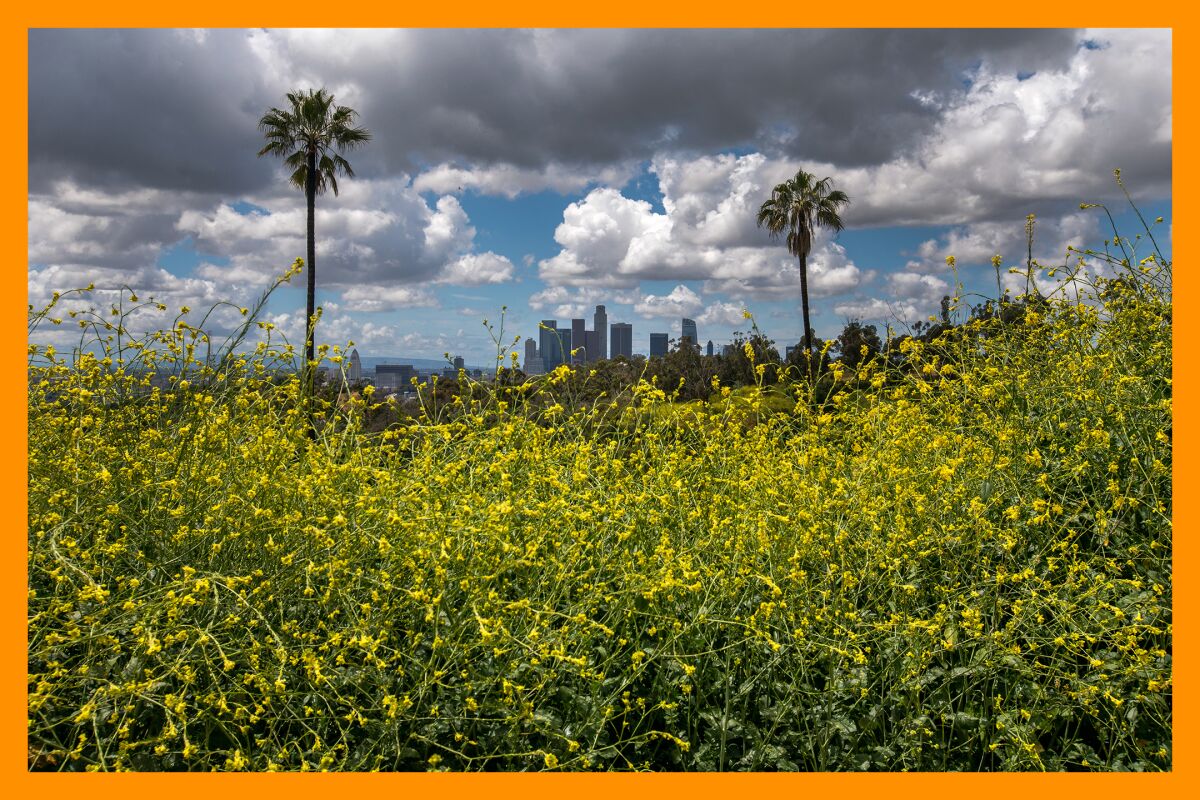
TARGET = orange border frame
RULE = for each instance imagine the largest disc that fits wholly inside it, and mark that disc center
(541, 13)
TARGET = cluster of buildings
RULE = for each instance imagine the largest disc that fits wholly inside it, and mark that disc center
(554, 346)
(578, 345)
(392, 378)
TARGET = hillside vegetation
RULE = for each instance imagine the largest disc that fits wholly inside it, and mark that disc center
(955, 555)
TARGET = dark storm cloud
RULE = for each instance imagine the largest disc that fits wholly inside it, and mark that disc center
(160, 109)
(528, 97)
(171, 109)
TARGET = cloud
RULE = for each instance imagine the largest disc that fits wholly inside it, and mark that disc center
(729, 315)
(141, 108)
(509, 180)
(610, 240)
(713, 200)
(972, 129)
(681, 302)
(978, 243)
(587, 99)
(1007, 146)
(477, 269)
(602, 96)
(116, 287)
(925, 289)
(378, 234)
(369, 298)
(768, 273)
(879, 310)
(448, 233)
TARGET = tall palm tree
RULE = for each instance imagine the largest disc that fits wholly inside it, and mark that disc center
(304, 136)
(798, 207)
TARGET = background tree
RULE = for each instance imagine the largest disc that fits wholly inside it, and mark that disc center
(734, 368)
(798, 207)
(310, 136)
(683, 362)
(854, 337)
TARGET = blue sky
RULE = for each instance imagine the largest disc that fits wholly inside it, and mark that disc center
(548, 171)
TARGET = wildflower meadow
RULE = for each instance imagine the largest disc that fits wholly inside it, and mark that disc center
(952, 555)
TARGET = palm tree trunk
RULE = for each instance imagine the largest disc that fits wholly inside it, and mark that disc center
(804, 308)
(309, 373)
(310, 191)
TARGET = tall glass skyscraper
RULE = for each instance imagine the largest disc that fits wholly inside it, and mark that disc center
(689, 332)
(533, 361)
(658, 345)
(601, 328)
(579, 340)
(549, 345)
(622, 339)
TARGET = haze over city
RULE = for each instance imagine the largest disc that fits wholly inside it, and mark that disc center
(553, 171)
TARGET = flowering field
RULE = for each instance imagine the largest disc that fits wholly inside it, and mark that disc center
(953, 557)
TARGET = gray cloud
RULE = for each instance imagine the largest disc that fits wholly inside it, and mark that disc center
(176, 109)
(146, 108)
(140, 138)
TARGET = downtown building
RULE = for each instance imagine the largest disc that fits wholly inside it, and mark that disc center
(688, 333)
(395, 377)
(533, 361)
(622, 340)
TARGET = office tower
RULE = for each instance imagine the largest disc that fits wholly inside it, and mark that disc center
(550, 348)
(459, 363)
(531, 351)
(354, 368)
(591, 345)
(601, 325)
(689, 333)
(658, 345)
(710, 348)
(394, 376)
(579, 340)
(622, 339)
(567, 342)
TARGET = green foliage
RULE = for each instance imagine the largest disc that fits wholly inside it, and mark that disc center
(960, 560)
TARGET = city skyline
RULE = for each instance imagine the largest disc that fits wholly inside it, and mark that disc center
(556, 346)
(487, 185)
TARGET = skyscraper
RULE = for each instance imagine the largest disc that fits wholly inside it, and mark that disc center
(622, 339)
(394, 376)
(549, 346)
(532, 365)
(354, 368)
(710, 348)
(689, 332)
(579, 341)
(601, 327)
(592, 344)
(459, 363)
(567, 342)
(658, 345)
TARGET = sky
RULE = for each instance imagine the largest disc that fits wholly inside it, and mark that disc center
(544, 172)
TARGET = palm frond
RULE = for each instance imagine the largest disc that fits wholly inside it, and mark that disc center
(313, 124)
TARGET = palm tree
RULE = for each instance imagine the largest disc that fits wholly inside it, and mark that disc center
(800, 206)
(304, 136)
